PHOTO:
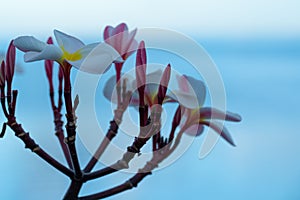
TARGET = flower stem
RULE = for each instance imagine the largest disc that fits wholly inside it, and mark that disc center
(70, 126)
(71, 132)
(60, 135)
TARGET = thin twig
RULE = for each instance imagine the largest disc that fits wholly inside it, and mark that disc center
(113, 129)
(71, 125)
(30, 143)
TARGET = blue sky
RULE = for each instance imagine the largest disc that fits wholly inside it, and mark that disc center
(256, 47)
(222, 18)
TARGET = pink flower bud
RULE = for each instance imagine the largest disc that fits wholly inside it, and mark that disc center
(141, 64)
(163, 86)
(10, 62)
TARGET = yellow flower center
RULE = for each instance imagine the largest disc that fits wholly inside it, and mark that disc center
(71, 56)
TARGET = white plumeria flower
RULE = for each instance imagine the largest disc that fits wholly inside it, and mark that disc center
(93, 58)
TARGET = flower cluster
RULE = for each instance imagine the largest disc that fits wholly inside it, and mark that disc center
(148, 92)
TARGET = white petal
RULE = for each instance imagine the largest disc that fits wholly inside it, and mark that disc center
(50, 52)
(96, 58)
(154, 77)
(188, 100)
(69, 43)
(198, 88)
(129, 44)
(29, 43)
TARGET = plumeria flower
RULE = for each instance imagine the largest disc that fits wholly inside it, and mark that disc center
(92, 58)
(123, 41)
(151, 83)
(194, 119)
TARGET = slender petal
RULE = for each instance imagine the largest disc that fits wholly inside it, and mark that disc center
(213, 113)
(221, 130)
(107, 32)
(29, 43)
(67, 42)
(130, 44)
(96, 58)
(50, 52)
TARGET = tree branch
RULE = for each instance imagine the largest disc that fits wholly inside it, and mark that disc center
(30, 144)
(129, 184)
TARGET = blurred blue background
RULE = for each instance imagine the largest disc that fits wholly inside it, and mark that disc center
(256, 47)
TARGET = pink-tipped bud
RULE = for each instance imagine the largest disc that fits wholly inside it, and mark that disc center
(163, 86)
(49, 68)
(141, 64)
(10, 62)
